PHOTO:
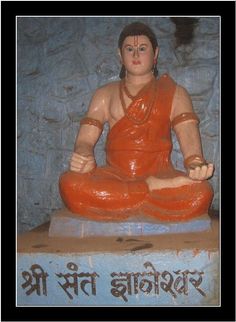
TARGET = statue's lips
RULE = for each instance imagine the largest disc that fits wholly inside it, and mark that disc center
(136, 62)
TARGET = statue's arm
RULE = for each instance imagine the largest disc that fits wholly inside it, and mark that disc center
(185, 125)
(83, 159)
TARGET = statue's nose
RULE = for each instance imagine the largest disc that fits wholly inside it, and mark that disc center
(136, 52)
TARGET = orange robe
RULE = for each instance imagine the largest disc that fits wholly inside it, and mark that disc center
(134, 152)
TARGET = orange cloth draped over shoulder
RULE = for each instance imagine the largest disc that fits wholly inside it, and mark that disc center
(134, 151)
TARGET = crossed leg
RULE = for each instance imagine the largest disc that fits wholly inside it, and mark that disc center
(155, 183)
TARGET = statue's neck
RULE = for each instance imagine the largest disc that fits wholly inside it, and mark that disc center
(138, 80)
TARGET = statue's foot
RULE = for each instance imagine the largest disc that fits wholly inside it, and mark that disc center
(157, 183)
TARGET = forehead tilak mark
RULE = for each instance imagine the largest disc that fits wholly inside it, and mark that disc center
(135, 40)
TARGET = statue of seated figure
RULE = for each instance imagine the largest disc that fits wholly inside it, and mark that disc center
(139, 177)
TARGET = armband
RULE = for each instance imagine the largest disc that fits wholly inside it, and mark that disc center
(184, 117)
(194, 161)
(91, 121)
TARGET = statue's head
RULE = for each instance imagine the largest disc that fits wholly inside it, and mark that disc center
(138, 29)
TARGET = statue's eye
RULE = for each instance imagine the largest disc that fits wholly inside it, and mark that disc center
(129, 49)
(142, 48)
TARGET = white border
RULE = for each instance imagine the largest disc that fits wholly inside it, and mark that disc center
(145, 16)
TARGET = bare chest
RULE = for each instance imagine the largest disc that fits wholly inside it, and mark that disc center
(116, 110)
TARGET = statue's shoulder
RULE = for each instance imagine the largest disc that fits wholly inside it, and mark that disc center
(166, 83)
(105, 92)
(108, 89)
(109, 86)
(167, 78)
(175, 90)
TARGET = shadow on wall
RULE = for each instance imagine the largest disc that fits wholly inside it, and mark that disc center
(184, 33)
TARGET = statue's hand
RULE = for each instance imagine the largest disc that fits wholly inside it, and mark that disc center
(203, 172)
(82, 164)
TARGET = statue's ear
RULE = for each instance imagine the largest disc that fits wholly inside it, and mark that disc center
(119, 55)
(156, 52)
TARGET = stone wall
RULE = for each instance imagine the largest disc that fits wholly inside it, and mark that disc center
(62, 60)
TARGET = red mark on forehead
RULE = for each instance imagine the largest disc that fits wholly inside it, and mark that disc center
(135, 40)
